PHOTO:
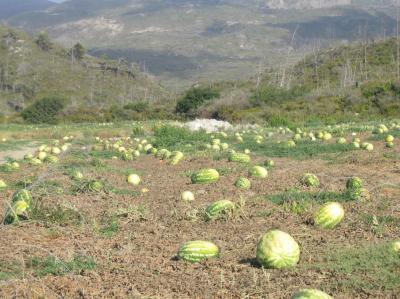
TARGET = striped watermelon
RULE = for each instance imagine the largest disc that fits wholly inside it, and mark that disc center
(278, 250)
(205, 176)
(354, 183)
(176, 157)
(219, 208)
(197, 251)
(239, 157)
(258, 172)
(310, 180)
(126, 156)
(243, 183)
(329, 215)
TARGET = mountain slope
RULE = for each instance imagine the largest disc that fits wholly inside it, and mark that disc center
(9, 8)
(187, 41)
(28, 73)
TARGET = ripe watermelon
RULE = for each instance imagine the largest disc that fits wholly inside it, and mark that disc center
(239, 157)
(197, 251)
(243, 183)
(205, 176)
(258, 172)
(329, 215)
(219, 208)
(278, 250)
(176, 157)
(310, 180)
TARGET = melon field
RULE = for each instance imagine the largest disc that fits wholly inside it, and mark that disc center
(153, 210)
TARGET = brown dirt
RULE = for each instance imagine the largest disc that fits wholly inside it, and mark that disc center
(139, 261)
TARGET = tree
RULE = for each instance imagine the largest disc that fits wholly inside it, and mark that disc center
(77, 51)
(194, 98)
(44, 42)
(45, 110)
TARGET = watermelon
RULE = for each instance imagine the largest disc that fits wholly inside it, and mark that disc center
(310, 180)
(23, 195)
(187, 196)
(35, 161)
(163, 154)
(329, 215)
(176, 157)
(389, 139)
(258, 172)
(51, 159)
(134, 179)
(354, 183)
(3, 184)
(205, 176)
(16, 212)
(396, 246)
(126, 156)
(239, 157)
(278, 250)
(197, 251)
(269, 164)
(76, 175)
(243, 183)
(311, 294)
(219, 208)
(95, 186)
(42, 155)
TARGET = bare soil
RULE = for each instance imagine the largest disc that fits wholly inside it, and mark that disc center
(139, 260)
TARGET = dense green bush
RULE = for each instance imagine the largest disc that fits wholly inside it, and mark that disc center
(194, 98)
(45, 110)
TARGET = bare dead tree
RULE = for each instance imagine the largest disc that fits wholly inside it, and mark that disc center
(288, 56)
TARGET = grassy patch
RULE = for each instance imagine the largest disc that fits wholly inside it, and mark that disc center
(299, 202)
(12, 145)
(59, 215)
(103, 154)
(303, 149)
(303, 196)
(40, 267)
(370, 267)
(10, 270)
(174, 138)
(53, 266)
(109, 227)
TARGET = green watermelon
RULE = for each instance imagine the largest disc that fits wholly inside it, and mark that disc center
(310, 180)
(239, 157)
(258, 172)
(269, 164)
(219, 208)
(3, 184)
(126, 156)
(205, 176)
(329, 215)
(176, 157)
(278, 250)
(354, 183)
(51, 159)
(311, 294)
(197, 251)
(243, 183)
(23, 195)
